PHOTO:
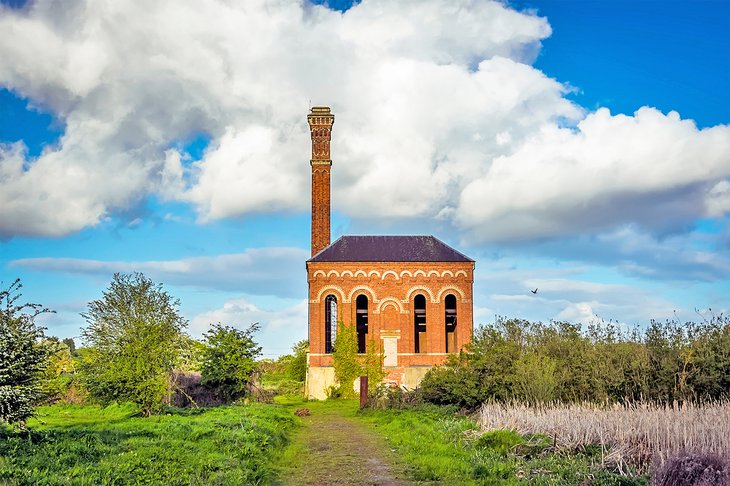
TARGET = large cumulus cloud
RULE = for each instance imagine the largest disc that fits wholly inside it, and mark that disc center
(439, 115)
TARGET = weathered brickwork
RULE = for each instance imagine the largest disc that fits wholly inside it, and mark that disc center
(320, 126)
(391, 289)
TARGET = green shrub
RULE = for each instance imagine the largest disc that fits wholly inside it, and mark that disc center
(514, 359)
(229, 360)
(349, 365)
(135, 337)
(23, 356)
(296, 367)
(502, 442)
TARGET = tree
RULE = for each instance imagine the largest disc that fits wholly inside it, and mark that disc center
(297, 367)
(229, 360)
(69, 342)
(349, 365)
(23, 356)
(135, 335)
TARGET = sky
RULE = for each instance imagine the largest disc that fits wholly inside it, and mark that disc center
(578, 147)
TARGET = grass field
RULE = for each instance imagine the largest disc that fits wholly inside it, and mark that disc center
(447, 448)
(93, 445)
(251, 444)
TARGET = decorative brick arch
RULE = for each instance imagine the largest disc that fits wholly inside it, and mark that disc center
(423, 289)
(362, 273)
(364, 289)
(333, 272)
(417, 272)
(388, 301)
(328, 289)
(433, 272)
(318, 273)
(389, 272)
(462, 273)
(404, 273)
(443, 274)
(453, 289)
(373, 272)
(346, 272)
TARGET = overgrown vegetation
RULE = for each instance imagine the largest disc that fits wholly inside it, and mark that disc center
(135, 336)
(442, 446)
(632, 438)
(113, 445)
(23, 356)
(349, 365)
(514, 359)
(286, 375)
(229, 360)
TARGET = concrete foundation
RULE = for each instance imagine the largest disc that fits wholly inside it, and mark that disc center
(319, 379)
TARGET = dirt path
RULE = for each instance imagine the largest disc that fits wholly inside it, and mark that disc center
(333, 449)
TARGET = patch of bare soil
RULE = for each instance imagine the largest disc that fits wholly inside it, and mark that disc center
(333, 450)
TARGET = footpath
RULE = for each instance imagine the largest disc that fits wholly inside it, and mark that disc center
(334, 449)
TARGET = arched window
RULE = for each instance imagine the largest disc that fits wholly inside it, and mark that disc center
(330, 322)
(361, 321)
(450, 322)
(419, 323)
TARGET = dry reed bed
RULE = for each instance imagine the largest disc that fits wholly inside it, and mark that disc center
(632, 435)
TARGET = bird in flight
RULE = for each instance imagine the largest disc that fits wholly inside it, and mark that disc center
(534, 291)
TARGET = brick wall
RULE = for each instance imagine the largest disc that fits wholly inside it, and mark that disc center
(390, 289)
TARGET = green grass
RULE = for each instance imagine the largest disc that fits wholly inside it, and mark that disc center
(93, 445)
(442, 446)
(250, 444)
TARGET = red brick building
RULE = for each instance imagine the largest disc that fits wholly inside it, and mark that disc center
(410, 294)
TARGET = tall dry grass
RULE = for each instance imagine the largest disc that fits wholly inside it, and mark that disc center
(636, 435)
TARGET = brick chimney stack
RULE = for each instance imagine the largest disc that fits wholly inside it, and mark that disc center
(320, 121)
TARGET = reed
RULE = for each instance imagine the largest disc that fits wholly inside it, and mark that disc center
(632, 437)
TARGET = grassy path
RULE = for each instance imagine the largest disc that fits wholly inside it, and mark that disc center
(334, 448)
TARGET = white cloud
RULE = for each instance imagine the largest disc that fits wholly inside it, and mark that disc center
(131, 79)
(439, 114)
(650, 169)
(257, 271)
(280, 328)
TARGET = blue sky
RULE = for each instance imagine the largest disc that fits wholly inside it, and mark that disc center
(579, 147)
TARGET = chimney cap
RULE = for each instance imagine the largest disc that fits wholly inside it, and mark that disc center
(320, 110)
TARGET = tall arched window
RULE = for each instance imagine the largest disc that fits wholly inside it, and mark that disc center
(450, 322)
(419, 323)
(361, 321)
(330, 322)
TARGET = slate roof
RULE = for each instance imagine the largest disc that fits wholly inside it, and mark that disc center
(389, 249)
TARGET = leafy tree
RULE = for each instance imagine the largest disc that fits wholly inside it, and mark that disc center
(135, 336)
(229, 360)
(297, 365)
(23, 356)
(344, 358)
(71, 345)
(349, 365)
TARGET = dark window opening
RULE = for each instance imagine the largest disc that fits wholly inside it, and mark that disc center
(330, 323)
(419, 323)
(450, 321)
(361, 322)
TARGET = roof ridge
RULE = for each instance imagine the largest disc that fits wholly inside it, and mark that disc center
(400, 248)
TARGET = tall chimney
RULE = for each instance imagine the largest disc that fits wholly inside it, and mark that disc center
(320, 125)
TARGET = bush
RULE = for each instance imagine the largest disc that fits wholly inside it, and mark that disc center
(23, 356)
(297, 366)
(500, 441)
(349, 365)
(229, 360)
(514, 359)
(135, 337)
